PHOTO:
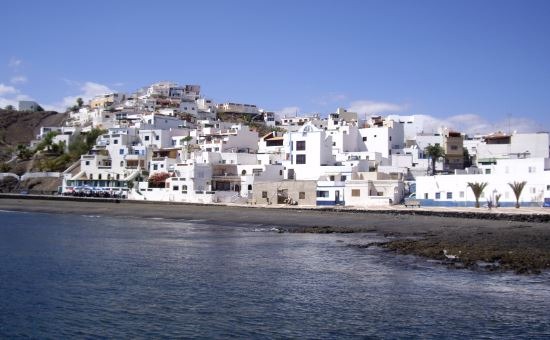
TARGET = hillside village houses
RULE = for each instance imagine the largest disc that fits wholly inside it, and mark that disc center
(170, 131)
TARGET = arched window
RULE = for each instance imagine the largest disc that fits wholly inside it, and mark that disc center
(243, 172)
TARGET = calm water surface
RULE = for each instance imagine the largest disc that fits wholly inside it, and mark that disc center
(85, 276)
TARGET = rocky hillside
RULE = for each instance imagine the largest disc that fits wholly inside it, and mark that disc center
(22, 127)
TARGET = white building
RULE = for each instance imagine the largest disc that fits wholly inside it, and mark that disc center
(518, 145)
(28, 105)
(453, 190)
(238, 108)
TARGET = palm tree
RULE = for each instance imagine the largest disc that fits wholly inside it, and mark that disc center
(435, 152)
(477, 189)
(517, 188)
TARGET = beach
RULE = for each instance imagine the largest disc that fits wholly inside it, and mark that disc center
(494, 242)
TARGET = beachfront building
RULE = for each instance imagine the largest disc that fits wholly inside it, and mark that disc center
(116, 159)
(453, 190)
(189, 182)
(285, 192)
(374, 189)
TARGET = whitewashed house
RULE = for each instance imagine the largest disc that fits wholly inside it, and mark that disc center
(453, 190)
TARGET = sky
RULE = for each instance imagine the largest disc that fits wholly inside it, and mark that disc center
(477, 66)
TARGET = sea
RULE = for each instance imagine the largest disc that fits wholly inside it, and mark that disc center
(79, 276)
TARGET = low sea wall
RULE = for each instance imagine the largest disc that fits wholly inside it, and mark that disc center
(485, 215)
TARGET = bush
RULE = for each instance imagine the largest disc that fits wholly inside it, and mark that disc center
(158, 180)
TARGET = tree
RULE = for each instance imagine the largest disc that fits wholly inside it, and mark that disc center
(79, 102)
(517, 188)
(477, 189)
(5, 167)
(435, 152)
(10, 108)
(47, 142)
(23, 152)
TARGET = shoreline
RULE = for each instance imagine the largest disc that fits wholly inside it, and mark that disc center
(524, 214)
(489, 241)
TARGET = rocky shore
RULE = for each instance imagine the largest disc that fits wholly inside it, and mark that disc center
(520, 243)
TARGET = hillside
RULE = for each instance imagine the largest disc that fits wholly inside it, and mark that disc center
(22, 127)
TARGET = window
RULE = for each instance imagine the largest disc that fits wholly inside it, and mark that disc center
(300, 159)
(548, 187)
(99, 176)
(115, 141)
(157, 137)
(301, 145)
(264, 194)
(449, 195)
(426, 196)
(437, 195)
(390, 138)
(155, 167)
(533, 190)
(532, 169)
(461, 194)
(250, 187)
(343, 178)
(281, 173)
(364, 139)
(454, 147)
(175, 187)
(355, 192)
(146, 138)
(87, 162)
(332, 178)
(302, 195)
(121, 151)
(322, 193)
(487, 171)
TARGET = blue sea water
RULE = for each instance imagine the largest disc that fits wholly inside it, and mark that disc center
(73, 276)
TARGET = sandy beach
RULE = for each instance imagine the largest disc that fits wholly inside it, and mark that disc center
(489, 242)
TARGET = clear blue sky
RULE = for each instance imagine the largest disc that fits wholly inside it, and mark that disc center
(489, 59)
